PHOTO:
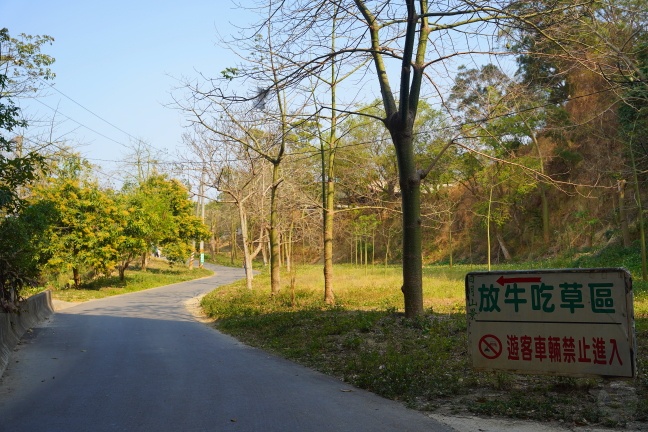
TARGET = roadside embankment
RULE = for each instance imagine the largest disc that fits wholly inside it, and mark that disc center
(13, 326)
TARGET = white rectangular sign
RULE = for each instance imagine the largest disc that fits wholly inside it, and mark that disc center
(563, 322)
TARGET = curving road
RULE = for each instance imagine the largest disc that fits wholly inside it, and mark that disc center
(141, 362)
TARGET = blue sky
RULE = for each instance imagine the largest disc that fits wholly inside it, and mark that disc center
(120, 60)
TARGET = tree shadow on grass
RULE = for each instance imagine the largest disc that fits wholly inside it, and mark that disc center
(104, 282)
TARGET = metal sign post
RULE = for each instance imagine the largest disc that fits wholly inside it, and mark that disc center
(565, 322)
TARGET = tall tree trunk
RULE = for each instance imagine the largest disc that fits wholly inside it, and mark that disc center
(410, 185)
(387, 249)
(366, 254)
(76, 277)
(399, 120)
(450, 244)
(488, 229)
(544, 202)
(412, 250)
(355, 249)
(264, 251)
(232, 242)
(329, 296)
(623, 217)
(144, 263)
(191, 256)
(275, 270)
(502, 245)
(373, 249)
(213, 245)
(288, 248)
(247, 257)
(123, 266)
(642, 228)
(328, 185)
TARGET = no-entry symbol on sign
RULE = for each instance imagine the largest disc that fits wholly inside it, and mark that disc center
(490, 346)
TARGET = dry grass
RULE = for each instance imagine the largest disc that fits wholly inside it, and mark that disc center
(366, 341)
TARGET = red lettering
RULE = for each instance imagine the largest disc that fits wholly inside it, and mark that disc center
(540, 348)
(582, 352)
(615, 350)
(598, 347)
(525, 349)
(513, 347)
(569, 350)
(554, 350)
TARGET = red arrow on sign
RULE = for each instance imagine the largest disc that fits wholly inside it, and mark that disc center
(502, 280)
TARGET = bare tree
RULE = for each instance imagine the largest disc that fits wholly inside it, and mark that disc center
(414, 41)
(261, 121)
(232, 171)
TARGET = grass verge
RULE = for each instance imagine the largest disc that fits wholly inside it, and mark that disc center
(366, 341)
(158, 273)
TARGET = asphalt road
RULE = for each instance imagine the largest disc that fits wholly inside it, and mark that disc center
(141, 362)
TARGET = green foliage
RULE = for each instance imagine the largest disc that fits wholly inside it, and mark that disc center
(367, 157)
(130, 241)
(86, 227)
(571, 157)
(83, 230)
(540, 60)
(16, 268)
(24, 63)
(497, 113)
(16, 170)
(229, 73)
(633, 113)
(20, 257)
(21, 64)
(162, 215)
(159, 273)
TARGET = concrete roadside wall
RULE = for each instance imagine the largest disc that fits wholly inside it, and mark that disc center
(13, 326)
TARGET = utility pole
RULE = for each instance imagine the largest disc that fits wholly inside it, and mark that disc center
(193, 246)
(202, 205)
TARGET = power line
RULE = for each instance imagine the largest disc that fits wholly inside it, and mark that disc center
(91, 112)
(81, 124)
